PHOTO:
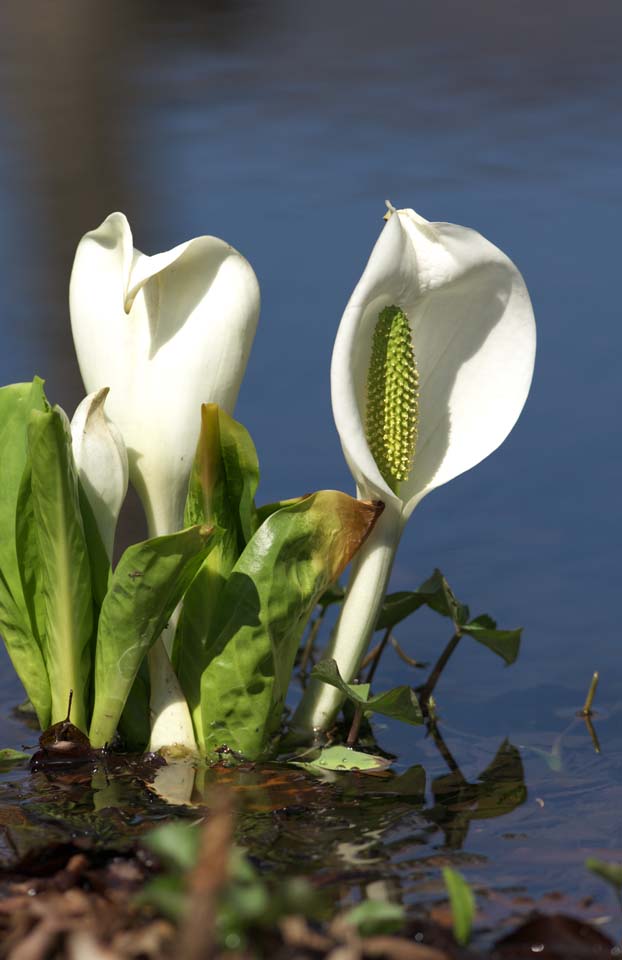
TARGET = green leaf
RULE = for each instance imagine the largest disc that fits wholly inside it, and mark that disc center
(25, 654)
(376, 917)
(400, 703)
(9, 757)
(611, 873)
(343, 760)
(16, 403)
(134, 723)
(505, 643)
(177, 844)
(98, 557)
(148, 583)
(221, 491)
(462, 904)
(282, 573)
(64, 564)
(434, 593)
(269, 508)
(334, 594)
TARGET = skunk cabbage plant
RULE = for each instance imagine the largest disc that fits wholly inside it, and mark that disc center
(431, 368)
(165, 333)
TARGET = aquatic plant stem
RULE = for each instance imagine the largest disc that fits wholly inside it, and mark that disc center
(426, 691)
(377, 654)
(359, 614)
(310, 643)
(354, 731)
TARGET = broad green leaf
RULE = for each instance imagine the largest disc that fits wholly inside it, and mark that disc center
(505, 643)
(98, 558)
(435, 593)
(224, 477)
(376, 917)
(134, 722)
(148, 583)
(462, 904)
(269, 508)
(281, 575)
(16, 403)
(344, 760)
(25, 654)
(400, 703)
(611, 873)
(221, 491)
(64, 564)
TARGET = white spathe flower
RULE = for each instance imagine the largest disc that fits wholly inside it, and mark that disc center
(101, 460)
(165, 333)
(473, 336)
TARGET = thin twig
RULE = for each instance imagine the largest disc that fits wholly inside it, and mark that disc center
(371, 656)
(427, 689)
(353, 735)
(379, 651)
(417, 664)
(311, 637)
(587, 706)
(443, 749)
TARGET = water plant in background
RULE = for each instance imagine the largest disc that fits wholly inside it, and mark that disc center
(431, 368)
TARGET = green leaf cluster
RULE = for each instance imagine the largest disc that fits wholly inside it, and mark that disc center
(245, 612)
(247, 902)
(69, 622)
(249, 579)
(436, 594)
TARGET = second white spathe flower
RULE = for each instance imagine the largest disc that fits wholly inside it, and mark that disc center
(473, 336)
(165, 333)
(101, 461)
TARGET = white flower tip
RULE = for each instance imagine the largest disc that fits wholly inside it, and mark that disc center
(101, 461)
(390, 210)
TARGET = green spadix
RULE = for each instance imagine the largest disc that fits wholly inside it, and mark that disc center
(392, 397)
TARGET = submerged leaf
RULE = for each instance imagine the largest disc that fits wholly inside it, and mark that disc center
(344, 760)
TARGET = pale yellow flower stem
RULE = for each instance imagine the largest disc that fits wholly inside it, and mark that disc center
(353, 631)
(171, 722)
